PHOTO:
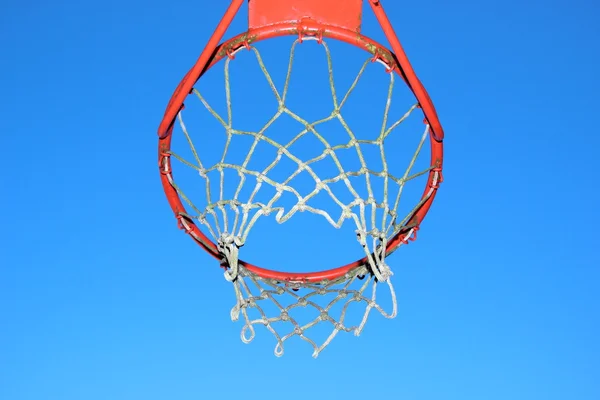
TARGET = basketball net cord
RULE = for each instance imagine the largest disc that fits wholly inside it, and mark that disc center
(251, 290)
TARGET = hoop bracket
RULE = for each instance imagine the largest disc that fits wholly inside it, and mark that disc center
(346, 14)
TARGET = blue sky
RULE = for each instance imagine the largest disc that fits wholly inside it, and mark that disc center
(102, 297)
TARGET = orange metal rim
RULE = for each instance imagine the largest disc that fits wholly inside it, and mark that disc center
(306, 28)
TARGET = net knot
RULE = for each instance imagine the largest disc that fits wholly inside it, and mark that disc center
(266, 210)
(377, 234)
(361, 236)
(301, 205)
(382, 271)
(346, 212)
(302, 302)
(319, 184)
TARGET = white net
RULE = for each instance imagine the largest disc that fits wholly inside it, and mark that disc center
(230, 218)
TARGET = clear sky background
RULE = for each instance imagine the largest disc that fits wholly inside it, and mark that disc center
(102, 297)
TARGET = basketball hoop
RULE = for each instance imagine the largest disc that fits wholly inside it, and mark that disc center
(227, 222)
